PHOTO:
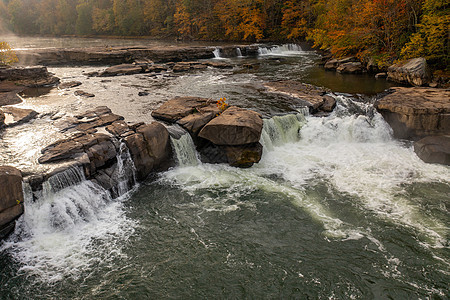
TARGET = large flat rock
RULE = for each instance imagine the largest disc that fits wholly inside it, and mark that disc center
(180, 107)
(416, 112)
(235, 126)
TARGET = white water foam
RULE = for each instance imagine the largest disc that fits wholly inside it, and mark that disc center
(72, 227)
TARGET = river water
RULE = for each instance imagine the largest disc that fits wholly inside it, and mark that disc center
(336, 209)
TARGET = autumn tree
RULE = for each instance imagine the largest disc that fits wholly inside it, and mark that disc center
(7, 56)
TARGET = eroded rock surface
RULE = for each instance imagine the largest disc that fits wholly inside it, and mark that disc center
(180, 107)
(18, 115)
(416, 112)
(414, 71)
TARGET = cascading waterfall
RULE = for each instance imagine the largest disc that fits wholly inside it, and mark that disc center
(125, 172)
(185, 152)
(62, 180)
(283, 50)
(238, 52)
(280, 130)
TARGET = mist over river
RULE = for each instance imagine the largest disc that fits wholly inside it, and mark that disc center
(336, 209)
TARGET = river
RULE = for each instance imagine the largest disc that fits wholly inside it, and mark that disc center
(336, 209)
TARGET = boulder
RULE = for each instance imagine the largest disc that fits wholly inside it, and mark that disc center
(414, 71)
(149, 148)
(123, 69)
(381, 75)
(308, 95)
(69, 84)
(178, 108)
(334, 64)
(244, 156)
(350, 68)
(83, 94)
(235, 126)
(329, 104)
(416, 112)
(11, 198)
(434, 149)
(18, 115)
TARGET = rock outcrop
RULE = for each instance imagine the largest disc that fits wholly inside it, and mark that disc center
(349, 65)
(123, 69)
(414, 71)
(416, 112)
(434, 149)
(11, 199)
(307, 95)
(229, 137)
(28, 77)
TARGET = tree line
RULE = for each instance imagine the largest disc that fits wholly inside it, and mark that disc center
(380, 30)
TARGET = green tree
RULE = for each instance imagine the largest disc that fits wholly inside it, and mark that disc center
(7, 56)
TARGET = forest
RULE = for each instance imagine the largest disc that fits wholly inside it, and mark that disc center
(380, 30)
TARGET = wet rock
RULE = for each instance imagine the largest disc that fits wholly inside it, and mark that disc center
(414, 71)
(181, 67)
(416, 112)
(350, 68)
(381, 75)
(11, 199)
(307, 95)
(143, 94)
(69, 84)
(244, 156)
(329, 104)
(123, 69)
(156, 68)
(178, 108)
(149, 148)
(220, 65)
(83, 94)
(331, 64)
(18, 115)
(119, 128)
(235, 126)
(434, 149)
(334, 64)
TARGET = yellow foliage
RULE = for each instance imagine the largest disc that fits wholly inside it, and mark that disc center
(7, 56)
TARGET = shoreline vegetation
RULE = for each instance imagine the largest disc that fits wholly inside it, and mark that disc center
(380, 32)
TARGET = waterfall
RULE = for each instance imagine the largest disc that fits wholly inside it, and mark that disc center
(216, 53)
(124, 175)
(62, 180)
(238, 52)
(185, 152)
(280, 130)
(283, 50)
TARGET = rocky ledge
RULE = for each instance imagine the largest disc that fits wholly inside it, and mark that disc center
(315, 98)
(11, 199)
(16, 80)
(231, 136)
(422, 115)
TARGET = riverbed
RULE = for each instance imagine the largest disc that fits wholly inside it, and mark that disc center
(336, 209)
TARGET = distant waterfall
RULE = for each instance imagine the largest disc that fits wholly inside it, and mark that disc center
(238, 52)
(283, 50)
(185, 152)
(217, 53)
(280, 130)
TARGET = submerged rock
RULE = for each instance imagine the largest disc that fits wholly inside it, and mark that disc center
(123, 69)
(11, 199)
(434, 149)
(416, 112)
(414, 71)
(308, 95)
(83, 94)
(69, 84)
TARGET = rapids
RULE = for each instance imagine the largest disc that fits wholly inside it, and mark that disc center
(336, 209)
